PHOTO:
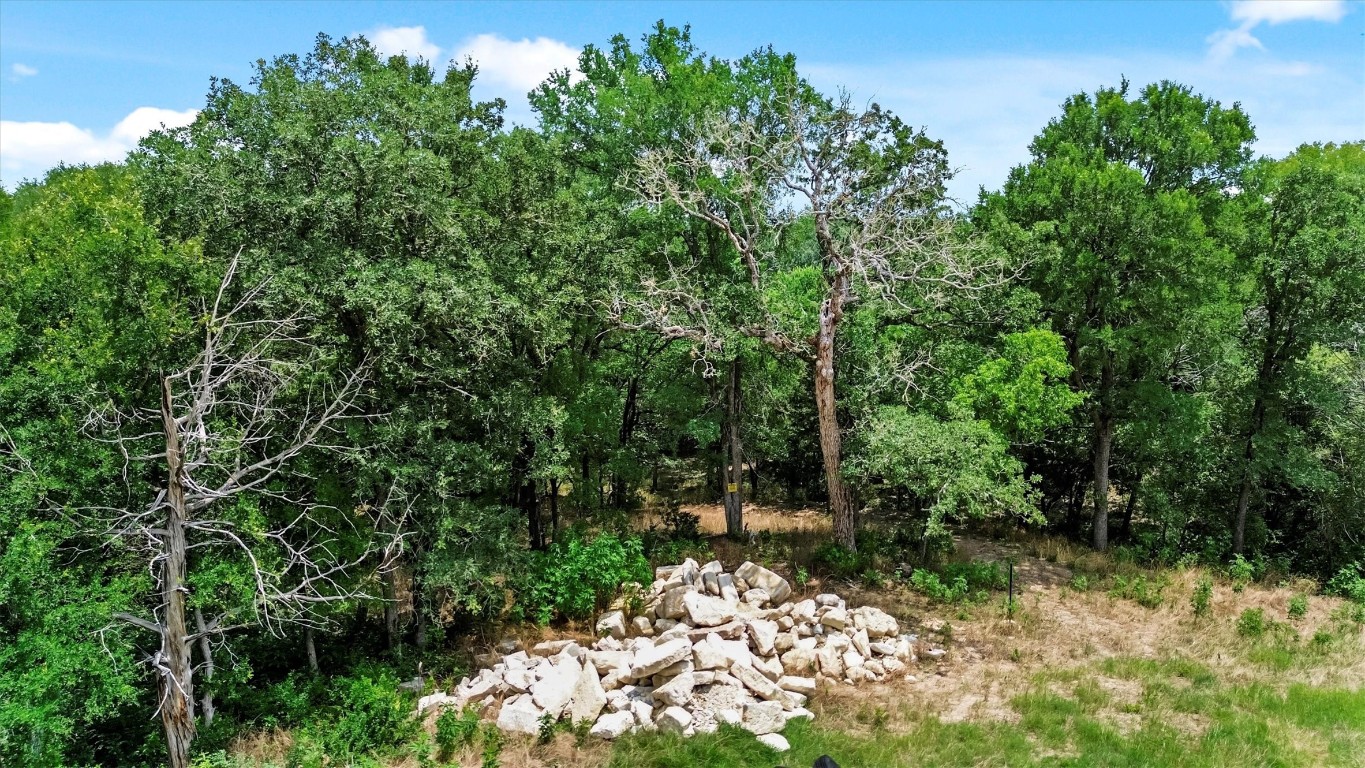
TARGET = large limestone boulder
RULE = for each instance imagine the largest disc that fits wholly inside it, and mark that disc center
(762, 717)
(675, 719)
(877, 622)
(520, 714)
(775, 741)
(706, 611)
(588, 696)
(764, 635)
(758, 577)
(612, 624)
(553, 692)
(676, 692)
(650, 660)
(672, 607)
(613, 725)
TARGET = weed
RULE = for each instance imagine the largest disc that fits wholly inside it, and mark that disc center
(456, 729)
(1079, 583)
(1241, 571)
(1141, 590)
(802, 577)
(1251, 623)
(492, 746)
(1298, 607)
(1203, 596)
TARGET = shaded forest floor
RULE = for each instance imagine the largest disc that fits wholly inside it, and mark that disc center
(1087, 669)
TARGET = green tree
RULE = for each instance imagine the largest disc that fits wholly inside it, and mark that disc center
(92, 303)
(1300, 240)
(1114, 210)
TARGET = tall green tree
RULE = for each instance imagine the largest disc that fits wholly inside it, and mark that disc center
(1300, 240)
(1115, 207)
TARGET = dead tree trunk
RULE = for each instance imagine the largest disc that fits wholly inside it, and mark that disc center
(175, 681)
(733, 469)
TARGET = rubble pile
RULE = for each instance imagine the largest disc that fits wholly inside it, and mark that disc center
(708, 647)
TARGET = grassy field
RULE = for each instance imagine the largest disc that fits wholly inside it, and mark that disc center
(1097, 663)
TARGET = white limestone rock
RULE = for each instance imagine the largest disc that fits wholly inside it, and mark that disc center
(650, 660)
(706, 611)
(613, 725)
(588, 697)
(764, 634)
(675, 719)
(520, 714)
(762, 717)
(775, 741)
(612, 624)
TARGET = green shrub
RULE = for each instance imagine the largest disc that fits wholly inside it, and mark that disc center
(1349, 583)
(681, 526)
(837, 560)
(574, 578)
(456, 729)
(1251, 623)
(1080, 583)
(1203, 596)
(978, 575)
(492, 746)
(931, 585)
(1241, 571)
(1141, 590)
(369, 714)
(1298, 607)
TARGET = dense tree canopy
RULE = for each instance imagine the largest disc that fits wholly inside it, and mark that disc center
(695, 280)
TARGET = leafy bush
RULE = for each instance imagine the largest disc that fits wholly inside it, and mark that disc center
(1298, 607)
(456, 729)
(1251, 623)
(1203, 596)
(1349, 583)
(681, 526)
(931, 585)
(979, 575)
(834, 558)
(492, 746)
(370, 714)
(574, 577)
(1241, 571)
(1080, 583)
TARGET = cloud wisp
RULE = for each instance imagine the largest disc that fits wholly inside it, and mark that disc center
(1253, 13)
(19, 71)
(404, 41)
(29, 148)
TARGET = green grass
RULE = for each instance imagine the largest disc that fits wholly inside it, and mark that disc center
(1183, 717)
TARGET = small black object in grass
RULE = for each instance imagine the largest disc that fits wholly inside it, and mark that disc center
(825, 761)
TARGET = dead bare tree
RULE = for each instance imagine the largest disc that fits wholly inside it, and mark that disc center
(874, 191)
(230, 425)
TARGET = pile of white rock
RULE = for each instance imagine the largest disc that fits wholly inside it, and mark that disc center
(708, 647)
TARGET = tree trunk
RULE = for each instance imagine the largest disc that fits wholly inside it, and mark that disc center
(391, 608)
(175, 681)
(554, 510)
(629, 418)
(1239, 518)
(831, 441)
(206, 651)
(1132, 505)
(732, 472)
(311, 647)
(1104, 440)
(527, 499)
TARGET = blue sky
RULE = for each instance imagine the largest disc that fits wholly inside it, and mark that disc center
(81, 82)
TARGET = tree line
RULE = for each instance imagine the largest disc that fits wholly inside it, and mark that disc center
(348, 335)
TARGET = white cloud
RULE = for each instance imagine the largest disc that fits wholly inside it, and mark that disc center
(518, 65)
(398, 41)
(1252, 13)
(28, 149)
(20, 71)
(1280, 11)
